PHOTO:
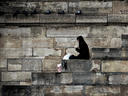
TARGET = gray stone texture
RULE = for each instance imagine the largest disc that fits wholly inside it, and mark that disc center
(66, 78)
(21, 18)
(102, 90)
(104, 53)
(78, 66)
(55, 6)
(19, 52)
(117, 18)
(118, 79)
(16, 90)
(32, 64)
(15, 32)
(2, 19)
(68, 32)
(67, 90)
(50, 64)
(89, 78)
(91, 6)
(124, 38)
(16, 76)
(120, 7)
(91, 19)
(57, 18)
(114, 66)
(107, 31)
(44, 79)
(25, 64)
(42, 52)
(3, 62)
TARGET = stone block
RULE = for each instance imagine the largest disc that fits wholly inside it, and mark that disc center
(53, 91)
(105, 53)
(26, 83)
(10, 42)
(55, 6)
(91, 19)
(50, 64)
(37, 43)
(120, 7)
(37, 91)
(2, 19)
(66, 90)
(104, 42)
(90, 6)
(3, 63)
(105, 31)
(32, 64)
(16, 76)
(68, 32)
(78, 66)
(42, 43)
(13, 42)
(19, 52)
(65, 42)
(15, 32)
(14, 67)
(124, 38)
(124, 52)
(118, 79)
(27, 43)
(73, 90)
(114, 66)
(102, 90)
(96, 65)
(21, 18)
(38, 32)
(15, 61)
(16, 90)
(42, 52)
(44, 79)
(89, 78)
(25, 64)
(66, 78)
(117, 18)
(57, 18)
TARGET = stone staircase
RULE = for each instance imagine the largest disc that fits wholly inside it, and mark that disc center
(25, 77)
(32, 46)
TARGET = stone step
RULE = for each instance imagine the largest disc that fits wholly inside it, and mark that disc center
(110, 53)
(76, 65)
(124, 38)
(33, 64)
(69, 18)
(66, 90)
(68, 78)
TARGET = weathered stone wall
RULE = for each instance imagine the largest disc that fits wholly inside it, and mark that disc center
(31, 47)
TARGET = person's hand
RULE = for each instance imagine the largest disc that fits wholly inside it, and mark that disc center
(77, 49)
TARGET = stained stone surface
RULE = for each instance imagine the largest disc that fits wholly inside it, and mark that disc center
(16, 76)
(102, 90)
(118, 79)
(33, 44)
(78, 66)
(114, 66)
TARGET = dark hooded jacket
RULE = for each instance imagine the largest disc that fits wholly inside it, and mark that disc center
(82, 49)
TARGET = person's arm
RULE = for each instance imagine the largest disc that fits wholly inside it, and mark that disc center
(77, 49)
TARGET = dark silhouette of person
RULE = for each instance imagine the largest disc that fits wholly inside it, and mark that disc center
(82, 49)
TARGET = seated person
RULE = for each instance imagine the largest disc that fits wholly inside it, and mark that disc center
(83, 50)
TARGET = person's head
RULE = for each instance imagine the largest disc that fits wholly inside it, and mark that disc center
(81, 41)
(80, 38)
